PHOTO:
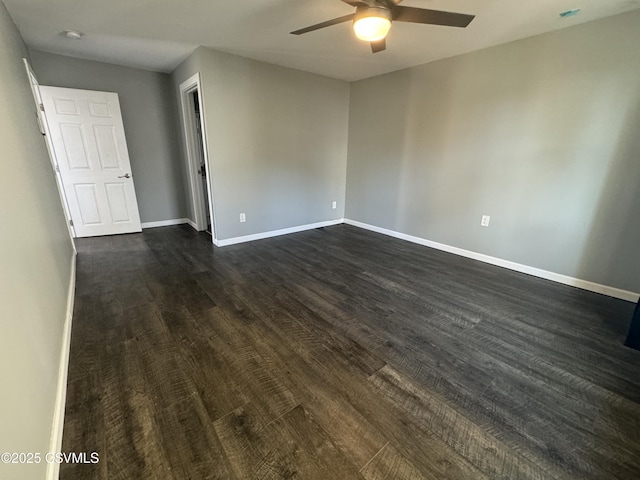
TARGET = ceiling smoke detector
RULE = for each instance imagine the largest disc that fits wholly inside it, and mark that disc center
(73, 34)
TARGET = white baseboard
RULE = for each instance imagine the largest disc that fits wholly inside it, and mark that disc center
(55, 443)
(275, 233)
(191, 223)
(536, 272)
(165, 223)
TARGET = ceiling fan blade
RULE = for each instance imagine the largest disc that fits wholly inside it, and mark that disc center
(356, 3)
(379, 46)
(373, 3)
(432, 17)
(328, 23)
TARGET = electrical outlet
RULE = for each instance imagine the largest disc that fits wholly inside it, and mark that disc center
(485, 220)
(334, 204)
(243, 217)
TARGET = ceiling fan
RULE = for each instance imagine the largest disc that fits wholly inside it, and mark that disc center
(372, 20)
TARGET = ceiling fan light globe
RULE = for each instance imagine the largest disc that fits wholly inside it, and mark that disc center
(372, 24)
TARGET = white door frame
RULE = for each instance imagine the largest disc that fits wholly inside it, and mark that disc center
(198, 196)
(44, 129)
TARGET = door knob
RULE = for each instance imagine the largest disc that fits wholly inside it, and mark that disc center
(126, 175)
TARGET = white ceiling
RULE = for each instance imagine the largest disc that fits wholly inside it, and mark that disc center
(158, 34)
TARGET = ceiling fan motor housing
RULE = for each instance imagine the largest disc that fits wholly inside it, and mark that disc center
(375, 11)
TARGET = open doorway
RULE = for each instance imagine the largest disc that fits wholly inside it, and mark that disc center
(197, 158)
(194, 100)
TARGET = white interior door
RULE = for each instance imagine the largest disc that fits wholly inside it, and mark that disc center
(90, 146)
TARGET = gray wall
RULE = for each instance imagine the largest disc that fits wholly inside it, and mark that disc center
(35, 258)
(541, 134)
(277, 141)
(150, 123)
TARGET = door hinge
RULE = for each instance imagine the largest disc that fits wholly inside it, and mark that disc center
(71, 222)
(42, 107)
(57, 169)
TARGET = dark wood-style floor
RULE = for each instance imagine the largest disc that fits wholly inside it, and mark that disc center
(337, 354)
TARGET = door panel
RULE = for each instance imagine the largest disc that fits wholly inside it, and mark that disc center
(87, 199)
(99, 109)
(88, 139)
(107, 148)
(74, 143)
(117, 198)
(65, 106)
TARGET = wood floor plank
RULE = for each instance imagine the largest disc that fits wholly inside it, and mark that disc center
(349, 429)
(390, 464)
(259, 382)
(215, 379)
(519, 424)
(348, 387)
(397, 425)
(481, 448)
(292, 446)
(193, 448)
(84, 429)
(568, 391)
(158, 358)
(134, 446)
